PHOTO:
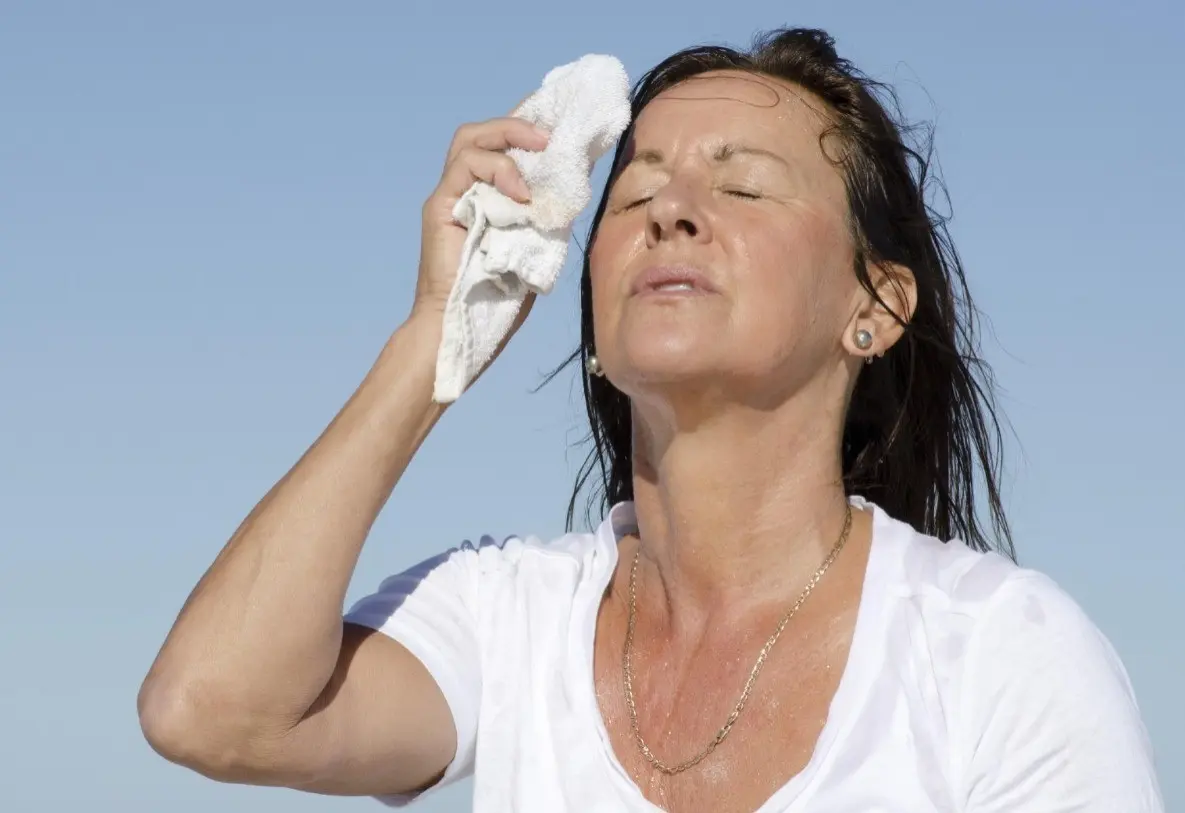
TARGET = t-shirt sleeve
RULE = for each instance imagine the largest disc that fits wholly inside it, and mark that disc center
(431, 610)
(1048, 720)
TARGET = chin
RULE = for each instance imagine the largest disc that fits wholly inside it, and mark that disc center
(646, 361)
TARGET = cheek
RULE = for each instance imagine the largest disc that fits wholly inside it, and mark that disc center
(796, 275)
(599, 263)
(608, 258)
(599, 259)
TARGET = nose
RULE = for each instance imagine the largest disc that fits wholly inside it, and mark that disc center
(674, 213)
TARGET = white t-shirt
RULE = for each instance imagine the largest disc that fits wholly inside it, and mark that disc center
(972, 685)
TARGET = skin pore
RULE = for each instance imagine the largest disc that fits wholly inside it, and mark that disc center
(738, 388)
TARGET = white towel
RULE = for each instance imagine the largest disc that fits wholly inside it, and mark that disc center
(514, 248)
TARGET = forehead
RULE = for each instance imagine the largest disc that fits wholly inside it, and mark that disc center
(733, 104)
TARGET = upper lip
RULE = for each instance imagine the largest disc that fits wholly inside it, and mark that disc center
(658, 275)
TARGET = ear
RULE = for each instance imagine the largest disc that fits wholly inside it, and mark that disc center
(896, 287)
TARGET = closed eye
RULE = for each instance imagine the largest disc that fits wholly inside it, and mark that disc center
(743, 194)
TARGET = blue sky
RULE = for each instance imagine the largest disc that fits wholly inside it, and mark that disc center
(209, 217)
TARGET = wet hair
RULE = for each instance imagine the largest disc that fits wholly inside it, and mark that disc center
(922, 437)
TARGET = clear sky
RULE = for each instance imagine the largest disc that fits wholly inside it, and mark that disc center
(209, 220)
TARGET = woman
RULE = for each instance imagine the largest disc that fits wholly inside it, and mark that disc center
(787, 419)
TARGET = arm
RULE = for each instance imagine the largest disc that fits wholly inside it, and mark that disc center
(259, 680)
(1049, 722)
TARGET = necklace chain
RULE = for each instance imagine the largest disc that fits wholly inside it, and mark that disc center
(627, 661)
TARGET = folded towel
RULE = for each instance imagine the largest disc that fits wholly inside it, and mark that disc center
(512, 248)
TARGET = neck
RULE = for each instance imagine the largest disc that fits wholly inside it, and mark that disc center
(742, 508)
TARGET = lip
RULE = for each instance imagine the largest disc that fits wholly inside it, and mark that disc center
(650, 281)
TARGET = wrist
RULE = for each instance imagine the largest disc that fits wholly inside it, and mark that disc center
(420, 332)
(404, 374)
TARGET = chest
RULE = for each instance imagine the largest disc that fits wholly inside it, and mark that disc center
(680, 702)
(840, 720)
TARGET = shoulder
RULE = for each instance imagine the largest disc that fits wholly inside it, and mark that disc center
(1037, 702)
(973, 589)
(994, 605)
(591, 551)
(483, 564)
(520, 555)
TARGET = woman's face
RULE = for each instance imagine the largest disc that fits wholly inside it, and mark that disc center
(724, 258)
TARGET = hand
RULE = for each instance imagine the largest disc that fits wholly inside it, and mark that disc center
(477, 153)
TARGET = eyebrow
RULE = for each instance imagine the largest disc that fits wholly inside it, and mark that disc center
(727, 151)
(723, 153)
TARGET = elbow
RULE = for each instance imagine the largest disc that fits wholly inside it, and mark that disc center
(187, 728)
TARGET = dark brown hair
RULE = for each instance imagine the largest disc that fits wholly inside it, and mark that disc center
(922, 437)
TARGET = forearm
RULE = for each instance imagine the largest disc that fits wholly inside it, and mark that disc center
(259, 637)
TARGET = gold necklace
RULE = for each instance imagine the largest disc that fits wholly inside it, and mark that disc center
(765, 650)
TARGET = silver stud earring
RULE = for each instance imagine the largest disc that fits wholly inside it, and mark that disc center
(592, 366)
(863, 339)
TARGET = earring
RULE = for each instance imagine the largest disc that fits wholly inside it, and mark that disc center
(863, 339)
(592, 366)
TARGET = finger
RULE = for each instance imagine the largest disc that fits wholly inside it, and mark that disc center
(498, 134)
(496, 168)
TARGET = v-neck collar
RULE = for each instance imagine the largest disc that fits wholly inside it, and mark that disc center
(863, 656)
